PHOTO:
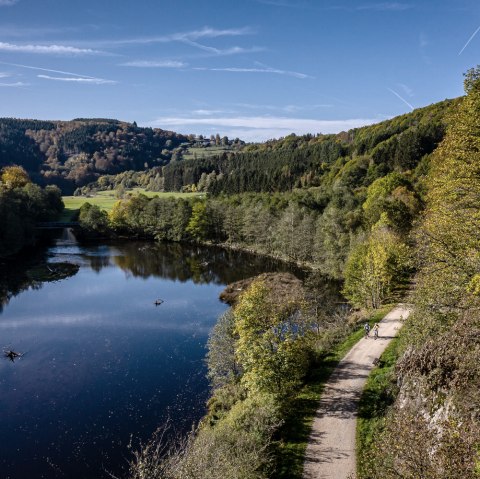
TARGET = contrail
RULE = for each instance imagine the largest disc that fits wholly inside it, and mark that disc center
(46, 70)
(469, 40)
(401, 98)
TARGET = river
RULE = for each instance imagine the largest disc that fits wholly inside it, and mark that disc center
(104, 366)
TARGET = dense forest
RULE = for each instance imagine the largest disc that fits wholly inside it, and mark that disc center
(72, 153)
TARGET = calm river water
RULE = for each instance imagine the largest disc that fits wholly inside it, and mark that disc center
(102, 363)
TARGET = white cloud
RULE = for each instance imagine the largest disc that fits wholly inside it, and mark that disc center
(192, 36)
(408, 91)
(222, 51)
(207, 112)
(7, 3)
(256, 70)
(155, 64)
(284, 108)
(48, 49)
(258, 128)
(95, 81)
(5, 75)
(17, 84)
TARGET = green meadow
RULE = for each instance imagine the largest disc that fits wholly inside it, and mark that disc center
(106, 199)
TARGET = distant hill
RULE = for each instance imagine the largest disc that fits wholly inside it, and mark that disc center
(73, 153)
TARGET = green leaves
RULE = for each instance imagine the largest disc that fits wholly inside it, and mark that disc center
(271, 346)
(376, 268)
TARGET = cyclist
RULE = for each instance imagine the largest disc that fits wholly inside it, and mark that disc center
(366, 327)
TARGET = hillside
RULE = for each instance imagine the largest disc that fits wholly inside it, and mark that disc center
(364, 154)
(73, 153)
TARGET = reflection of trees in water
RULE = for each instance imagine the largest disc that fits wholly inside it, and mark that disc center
(181, 262)
(14, 279)
(98, 262)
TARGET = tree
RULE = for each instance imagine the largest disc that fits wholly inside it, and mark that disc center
(223, 367)
(198, 224)
(14, 177)
(375, 268)
(451, 228)
(271, 348)
(93, 220)
(392, 197)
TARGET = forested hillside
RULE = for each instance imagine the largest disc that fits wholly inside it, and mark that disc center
(432, 428)
(364, 154)
(72, 153)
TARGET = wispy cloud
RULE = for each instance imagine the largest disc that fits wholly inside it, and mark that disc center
(208, 112)
(284, 108)
(17, 84)
(7, 3)
(94, 81)
(5, 75)
(191, 38)
(407, 90)
(155, 64)
(48, 49)
(258, 128)
(469, 40)
(259, 69)
(401, 98)
(222, 51)
(193, 35)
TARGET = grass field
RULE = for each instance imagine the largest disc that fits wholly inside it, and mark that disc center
(197, 152)
(106, 199)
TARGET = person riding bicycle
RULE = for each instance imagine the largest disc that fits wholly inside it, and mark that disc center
(376, 327)
(366, 327)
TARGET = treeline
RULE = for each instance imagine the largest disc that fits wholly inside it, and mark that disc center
(74, 153)
(22, 205)
(432, 430)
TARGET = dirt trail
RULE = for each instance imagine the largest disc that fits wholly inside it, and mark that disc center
(331, 448)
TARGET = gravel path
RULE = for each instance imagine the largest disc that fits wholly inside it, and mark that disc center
(331, 448)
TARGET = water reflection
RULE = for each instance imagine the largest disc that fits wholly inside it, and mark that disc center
(103, 362)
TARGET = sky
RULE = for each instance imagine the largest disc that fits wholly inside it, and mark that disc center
(253, 69)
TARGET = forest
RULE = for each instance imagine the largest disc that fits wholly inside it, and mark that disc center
(72, 153)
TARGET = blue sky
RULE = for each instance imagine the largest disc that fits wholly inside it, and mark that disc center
(255, 69)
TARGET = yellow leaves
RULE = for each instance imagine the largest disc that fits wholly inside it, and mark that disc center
(474, 285)
(14, 177)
